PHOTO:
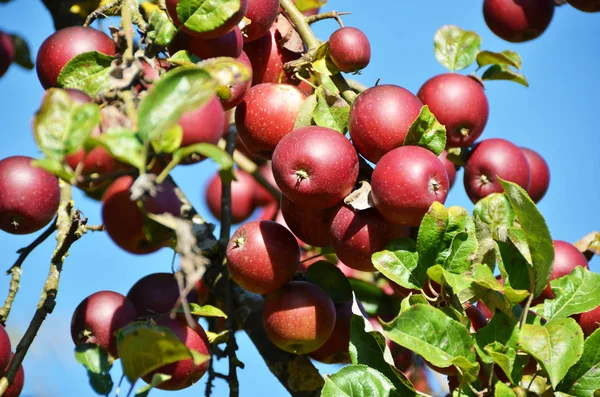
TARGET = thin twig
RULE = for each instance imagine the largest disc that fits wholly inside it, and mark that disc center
(101, 11)
(25, 251)
(15, 283)
(326, 15)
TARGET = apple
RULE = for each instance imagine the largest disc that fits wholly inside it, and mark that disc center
(202, 292)
(156, 293)
(589, 321)
(485, 310)
(405, 182)
(335, 349)
(518, 21)
(459, 103)
(266, 115)
(494, 158)
(357, 235)
(315, 166)
(262, 256)
(14, 390)
(65, 44)
(7, 52)
(125, 223)
(226, 26)
(540, 174)
(228, 45)
(450, 168)
(299, 317)
(98, 318)
(268, 56)
(585, 5)
(349, 49)
(29, 196)
(566, 259)
(262, 197)
(476, 316)
(239, 90)
(380, 118)
(308, 224)
(183, 373)
(262, 14)
(5, 348)
(242, 196)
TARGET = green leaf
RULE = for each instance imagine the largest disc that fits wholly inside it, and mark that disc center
(485, 278)
(157, 379)
(184, 58)
(22, 52)
(169, 141)
(305, 116)
(514, 268)
(89, 72)
(124, 145)
(584, 377)
(462, 253)
(400, 263)
(509, 58)
(55, 167)
(97, 362)
(535, 231)
(430, 240)
(503, 72)
(215, 153)
(206, 15)
(357, 381)
(556, 346)
(373, 299)
(331, 279)
(486, 253)
(506, 358)
(324, 115)
(304, 5)
(501, 329)
(160, 28)
(502, 390)
(460, 283)
(323, 66)
(496, 212)
(61, 126)
(427, 132)
(206, 311)
(226, 72)
(456, 48)
(575, 293)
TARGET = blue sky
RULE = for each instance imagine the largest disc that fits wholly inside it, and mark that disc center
(556, 116)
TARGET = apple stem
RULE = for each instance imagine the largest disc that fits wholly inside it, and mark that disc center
(326, 15)
(464, 132)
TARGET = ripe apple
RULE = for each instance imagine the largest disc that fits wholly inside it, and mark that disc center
(315, 166)
(357, 235)
(125, 222)
(14, 390)
(98, 318)
(202, 292)
(262, 256)
(349, 49)
(459, 103)
(7, 52)
(156, 293)
(405, 182)
(262, 197)
(585, 5)
(308, 224)
(29, 196)
(450, 168)
(183, 373)
(203, 124)
(228, 45)
(380, 118)
(477, 317)
(540, 174)
(5, 348)
(266, 115)
(589, 321)
(485, 310)
(65, 44)
(299, 317)
(518, 20)
(335, 348)
(268, 56)
(238, 91)
(242, 196)
(566, 259)
(227, 25)
(262, 14)
(494, 158)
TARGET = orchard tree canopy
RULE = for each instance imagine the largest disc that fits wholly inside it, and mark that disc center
(328, 240)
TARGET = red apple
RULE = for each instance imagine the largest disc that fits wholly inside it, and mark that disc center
(485, 310)
(566, 259)
(315, 166)
(14, 390)
(299, 317)
(357, 235)
(65, 44)
(460, 104)
(156, 293)
(518, 20)
(405, 182)
(335, 349)
(540, 174)
(349, 49)
(308, 224)
(239, 91)
(29, 196)
(202, 292)
(242, 196)
(228, 45)
(262, 256)
(227, 25)
(266, 115)
(450, 168)
(589, 321)
(494, 158)
(7, 52)
(99, 317)
(586, 5)
(262, 14)
(380, 118)
(262, 197)
(476, 316)
(5, 348)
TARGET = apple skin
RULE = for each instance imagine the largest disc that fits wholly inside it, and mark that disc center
(228, 25)
(589, 321)
(29, 196)
(156, 293)
(405, 182)
(14, 390)
(262, 197)
(349, 49)
(335, 349)
(262, 13)
(459, 103)
(299, 317)
(102, 314)
(184, 373)
(242, 196)
(124, 222)
(585, 5)
(491, 158)
(5, 348)
(228, 45)
(7, 52)
(566, 258)
(485, 310)
(477, 317)
(308, 224)
(315, 166)
(540, 174)
(357, 235)
(450, 168)
(266, 115)
(518, 21)
(262, 256)
(380, 118)
(65, 44)
(238, 91)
